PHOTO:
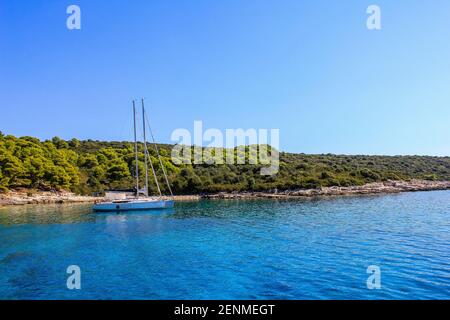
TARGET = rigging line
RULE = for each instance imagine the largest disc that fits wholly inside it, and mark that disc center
(136, 151)
(147, 153)
(157, 152)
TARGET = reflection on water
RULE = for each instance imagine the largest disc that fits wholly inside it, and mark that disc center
(70, 213)
(46, 214)
(217, 209)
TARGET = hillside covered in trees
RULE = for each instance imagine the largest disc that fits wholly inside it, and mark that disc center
(90, 166)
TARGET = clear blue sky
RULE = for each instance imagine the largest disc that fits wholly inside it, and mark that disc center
(309, 68)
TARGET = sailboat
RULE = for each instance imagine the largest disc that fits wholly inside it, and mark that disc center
(141, 200)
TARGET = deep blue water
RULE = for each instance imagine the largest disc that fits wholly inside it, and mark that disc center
(257, 249)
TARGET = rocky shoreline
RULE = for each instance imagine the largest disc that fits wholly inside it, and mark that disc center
(23, 197)
(42, 197)
(46, 197)
(385, 187)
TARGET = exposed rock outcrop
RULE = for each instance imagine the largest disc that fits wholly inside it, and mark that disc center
(371, 188)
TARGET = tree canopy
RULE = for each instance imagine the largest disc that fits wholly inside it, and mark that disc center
(94, 166)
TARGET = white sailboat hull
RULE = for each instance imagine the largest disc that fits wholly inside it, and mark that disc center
(137, 203)
(133, 205)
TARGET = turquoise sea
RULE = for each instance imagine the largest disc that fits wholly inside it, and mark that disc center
(256, 249)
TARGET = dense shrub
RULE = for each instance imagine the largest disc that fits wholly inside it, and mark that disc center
(94, 166)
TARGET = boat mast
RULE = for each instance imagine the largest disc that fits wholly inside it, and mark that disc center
(146, 153)
(136, 151)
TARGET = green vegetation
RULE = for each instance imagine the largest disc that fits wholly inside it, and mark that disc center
(93, 166)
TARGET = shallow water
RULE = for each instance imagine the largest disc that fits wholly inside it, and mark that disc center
(256, 249)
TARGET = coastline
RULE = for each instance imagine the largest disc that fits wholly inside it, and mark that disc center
(13, 198)
(24, 197)
(387, 187)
